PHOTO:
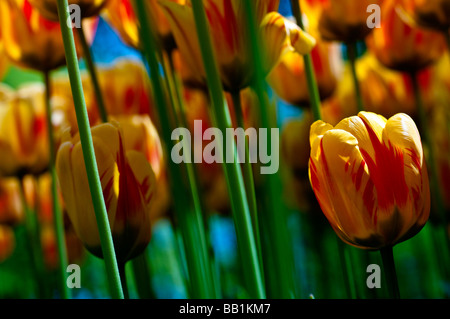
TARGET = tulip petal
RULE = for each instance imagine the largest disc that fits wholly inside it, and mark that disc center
(349, 185)
(142, 182)
(401, 132)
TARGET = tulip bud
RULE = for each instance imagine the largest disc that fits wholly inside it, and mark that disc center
(370, 178)
(128, 184)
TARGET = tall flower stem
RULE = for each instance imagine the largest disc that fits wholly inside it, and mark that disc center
(443, 240)
(387, 256)
(56, 208)
(313, 89)
(233, 173)
(142, 277)
(175, 88)
(425, 131)
(247, 171)
(87, 54)
(186, 208)
(87, 146)
(352, 57)
(277, 244)
(123, 280)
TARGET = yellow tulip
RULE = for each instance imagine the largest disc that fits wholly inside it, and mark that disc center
(29, 39)
(128, 184)
(88, 8)
(227, 25)
(401, 46)
(124, 85)
(23, 134)
(370, 178)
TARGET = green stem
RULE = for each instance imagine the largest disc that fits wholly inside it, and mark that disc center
(313, 89)
(142, 277)
(34, 242)
(387, 256)
(344, 255)
(177, 110)
(426, 135)
(277, 252)
(247, 171)
(123, 280)
(87, 146)
(93, 74)
(352, 56)
(190, 220)
(56, 209)
(233, 174)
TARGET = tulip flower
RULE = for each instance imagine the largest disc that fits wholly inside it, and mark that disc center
(88, 8)
(370, 178)
(23, 134)
(342, 20)
(384, 91)
(226, 21)
(288, 78)
(7, 242)
(128, 184)
(401, 46)
(139, 134)
(11, 210)
(430, 14)
(29, 39)
(124, 86)
(121, 16)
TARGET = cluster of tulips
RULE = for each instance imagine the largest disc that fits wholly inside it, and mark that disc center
(85, 165)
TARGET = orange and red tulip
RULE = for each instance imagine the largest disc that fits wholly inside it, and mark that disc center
(128, 184)
(124, 85)
(341, 20)
(402, 46)
(226, 21)
(430, 14)
(370, 178)
(29, 39)
(139, 134)
(123, 19)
